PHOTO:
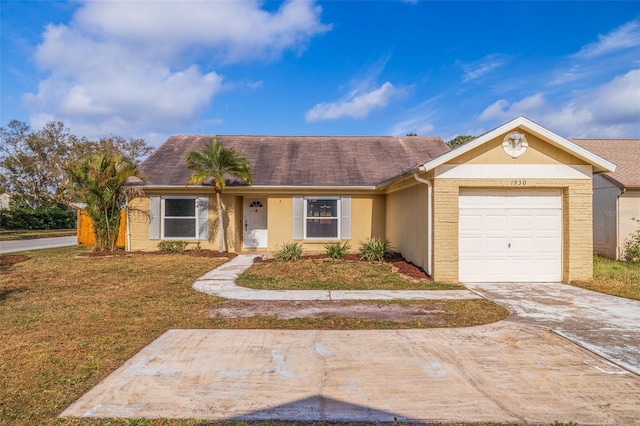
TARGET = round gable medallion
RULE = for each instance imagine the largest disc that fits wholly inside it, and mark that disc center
(515, 144)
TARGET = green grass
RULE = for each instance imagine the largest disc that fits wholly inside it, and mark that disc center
(614, 277)
(318, 274)
(30, 235)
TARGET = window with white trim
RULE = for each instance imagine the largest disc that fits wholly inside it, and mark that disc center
(322, 218)
(179, 217)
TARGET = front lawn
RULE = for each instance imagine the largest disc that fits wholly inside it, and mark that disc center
(69, 320)
(323, 274)
(614, 277)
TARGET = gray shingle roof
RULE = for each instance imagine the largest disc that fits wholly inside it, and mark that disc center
(624, 153)
(302, 160)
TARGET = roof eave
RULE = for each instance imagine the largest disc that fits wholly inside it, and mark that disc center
(599, 164)
(264, 187)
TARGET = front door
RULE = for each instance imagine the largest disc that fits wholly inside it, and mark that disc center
(255, 223)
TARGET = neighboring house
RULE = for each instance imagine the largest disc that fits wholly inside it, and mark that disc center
(5, 200)
(512, 205)
(616, 195)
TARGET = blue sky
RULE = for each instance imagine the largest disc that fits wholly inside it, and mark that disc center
(154, 68)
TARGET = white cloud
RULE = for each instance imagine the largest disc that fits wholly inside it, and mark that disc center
(357, 105)
(623, 37)
(505, 111)
(611, 110)
(137, 67)
(484, 66)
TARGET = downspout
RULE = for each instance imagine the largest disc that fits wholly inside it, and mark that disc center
(429, 223)
(619, 253)
(126, 219)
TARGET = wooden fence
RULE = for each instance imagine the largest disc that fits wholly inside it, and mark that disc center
(85, 229)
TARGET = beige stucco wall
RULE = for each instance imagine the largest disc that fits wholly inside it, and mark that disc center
(367, 220)
(407, 222)
(139, 221)
(628, 208)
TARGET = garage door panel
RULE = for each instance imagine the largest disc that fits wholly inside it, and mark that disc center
(547, 246)
(510, 235)
(521, 246)
(495, 222)
(471, 246)
(548, 222)
(471, 223)
(521, 267)
(496, 246)
(520, 221)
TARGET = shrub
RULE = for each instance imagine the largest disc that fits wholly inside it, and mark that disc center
(172, 246)
(338, 250)
(374, 249)
(43, 218)
(288, 251)
(632, 246)
(197, 247)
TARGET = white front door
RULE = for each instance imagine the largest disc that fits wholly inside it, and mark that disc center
(255, 223)
(510, 235)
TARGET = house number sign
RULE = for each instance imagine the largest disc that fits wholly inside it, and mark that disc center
(518, 182)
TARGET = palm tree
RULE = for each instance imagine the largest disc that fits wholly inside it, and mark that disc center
(100, 180)
(216, 162)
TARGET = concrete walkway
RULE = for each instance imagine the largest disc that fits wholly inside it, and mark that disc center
(221, 282)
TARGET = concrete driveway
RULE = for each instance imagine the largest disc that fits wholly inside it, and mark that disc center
(606, 325)
(502, 372)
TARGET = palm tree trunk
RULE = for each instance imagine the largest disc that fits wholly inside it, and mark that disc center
(220, 224)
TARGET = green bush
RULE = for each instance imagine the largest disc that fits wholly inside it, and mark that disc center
(632, 246)
(24, 218)
(374, 249)
(338, 250)
(288, 251)
(172, 246)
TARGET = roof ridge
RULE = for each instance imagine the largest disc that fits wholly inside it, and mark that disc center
(302, 136)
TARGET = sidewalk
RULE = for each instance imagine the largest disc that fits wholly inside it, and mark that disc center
(221, 282)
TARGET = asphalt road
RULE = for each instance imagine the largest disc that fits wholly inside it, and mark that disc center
(36, 244)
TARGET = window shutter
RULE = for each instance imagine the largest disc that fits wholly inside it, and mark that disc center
(345, 218)
(154, 217)
(298, 213)
(202, 210)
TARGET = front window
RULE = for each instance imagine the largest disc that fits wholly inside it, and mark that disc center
(179, 218)
(321, 218)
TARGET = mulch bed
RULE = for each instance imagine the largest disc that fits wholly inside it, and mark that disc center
(192, 253)
(398, 264)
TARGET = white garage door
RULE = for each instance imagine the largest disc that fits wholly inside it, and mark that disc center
(510, 235)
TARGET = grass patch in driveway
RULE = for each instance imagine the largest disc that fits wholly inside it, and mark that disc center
(68, 321)
(321, 274)
(355, 315)
(613, 277)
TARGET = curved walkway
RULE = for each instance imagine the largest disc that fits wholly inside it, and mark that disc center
(221, 282)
